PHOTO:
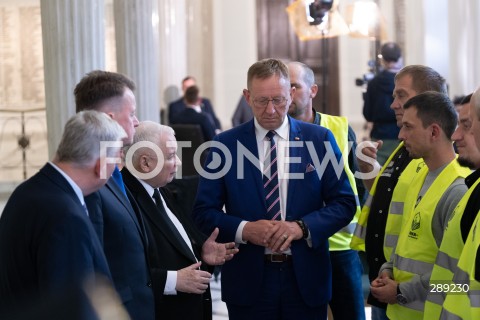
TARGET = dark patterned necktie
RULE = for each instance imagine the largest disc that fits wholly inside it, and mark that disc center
(270, 180)
(164, 216)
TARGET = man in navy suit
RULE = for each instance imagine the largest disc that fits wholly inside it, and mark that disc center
(114, 217)
(181, 254)
(282, 270)
(175, 107)
(48, 247)
(193, 114)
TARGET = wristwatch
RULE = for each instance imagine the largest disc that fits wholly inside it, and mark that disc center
(400, 297)
(304, 228)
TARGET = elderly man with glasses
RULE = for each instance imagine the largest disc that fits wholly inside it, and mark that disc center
(271, 185)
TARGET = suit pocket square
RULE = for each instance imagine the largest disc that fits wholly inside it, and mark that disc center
(310, 168)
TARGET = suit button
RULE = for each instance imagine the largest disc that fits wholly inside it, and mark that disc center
(149, 284)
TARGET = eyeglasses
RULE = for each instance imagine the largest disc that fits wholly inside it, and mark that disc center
(263, 102)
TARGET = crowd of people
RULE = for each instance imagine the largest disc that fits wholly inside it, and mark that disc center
(279, 206)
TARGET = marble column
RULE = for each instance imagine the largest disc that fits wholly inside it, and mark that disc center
(136, 24)
(200, 35)
(173, 49)
(73, 44)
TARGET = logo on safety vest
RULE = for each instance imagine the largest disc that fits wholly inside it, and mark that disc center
(415, 226)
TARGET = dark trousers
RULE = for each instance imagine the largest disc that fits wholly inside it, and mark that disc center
(280, 298)
(347, 301)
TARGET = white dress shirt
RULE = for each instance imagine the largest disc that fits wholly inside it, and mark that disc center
(282, 140)
(171, 282)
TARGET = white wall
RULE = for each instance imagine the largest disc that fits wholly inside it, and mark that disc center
(235, 49)
(443, 34)
(431, 31)
(464, 44)
(354, 56)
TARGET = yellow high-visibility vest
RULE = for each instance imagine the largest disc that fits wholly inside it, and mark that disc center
(465, 305)
(395, 207)
(416, 249)
(339, 127)
(447, 259)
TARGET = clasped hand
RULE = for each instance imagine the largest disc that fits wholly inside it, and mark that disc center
(275, 235)
(384, 288)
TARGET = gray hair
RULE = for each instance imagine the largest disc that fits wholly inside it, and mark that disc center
(82, 135)
(148, 131)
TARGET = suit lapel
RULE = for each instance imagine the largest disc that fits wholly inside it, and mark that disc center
(148, 207)
(118, 193)
(295, 137)
(186, 249)
(249, 141)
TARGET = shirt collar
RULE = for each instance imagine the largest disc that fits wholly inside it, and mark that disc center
(72, 183)
(471, 178)
(281, 131)
(316, 118)
(147, 187)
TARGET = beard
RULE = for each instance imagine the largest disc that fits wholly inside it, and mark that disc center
(464, 162)
(293, 110)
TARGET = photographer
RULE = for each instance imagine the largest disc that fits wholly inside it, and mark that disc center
(378, 98)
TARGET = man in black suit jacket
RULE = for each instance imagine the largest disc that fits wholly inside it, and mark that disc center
(177, 106)
(120, 230)
(193, 114)
(179, 251)
(48, 246)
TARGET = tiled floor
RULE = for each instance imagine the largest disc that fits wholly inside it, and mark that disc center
(220, 310)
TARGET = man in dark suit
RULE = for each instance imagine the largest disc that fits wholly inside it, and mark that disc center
(206, 106)
(120, 230)
(179, 251)
(48, 246)
(280, 215)
(193, 114)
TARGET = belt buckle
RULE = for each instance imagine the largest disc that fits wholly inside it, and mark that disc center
(277, 258)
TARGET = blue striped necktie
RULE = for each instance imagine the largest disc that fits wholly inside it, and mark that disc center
(270, 180)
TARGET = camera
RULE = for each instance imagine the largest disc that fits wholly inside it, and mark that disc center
(364, 79)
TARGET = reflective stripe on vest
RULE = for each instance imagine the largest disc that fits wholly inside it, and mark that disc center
(447, 258)
(465, 306)
(445, 315)
(416, 249)
(397, 205)
(339, 127)
(411, 265)
(358, 240)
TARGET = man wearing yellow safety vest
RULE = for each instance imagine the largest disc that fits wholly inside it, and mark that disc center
(347, 295)
(461, 219)
(387, 190)
(428, 122)
(463, 297)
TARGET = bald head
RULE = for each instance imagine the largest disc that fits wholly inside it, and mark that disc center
(154, 159)
(475, 102)
(475, 116)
